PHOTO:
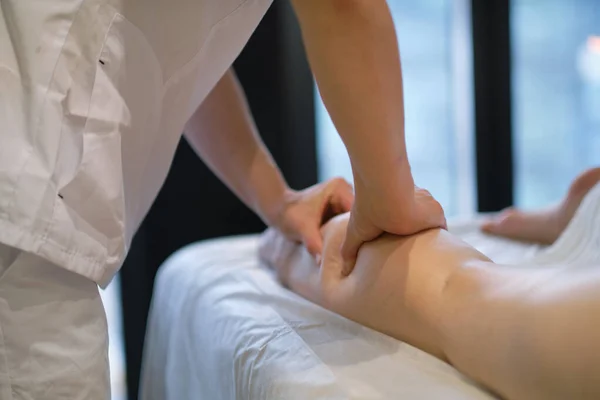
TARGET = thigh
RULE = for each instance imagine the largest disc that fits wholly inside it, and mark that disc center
(53, 332)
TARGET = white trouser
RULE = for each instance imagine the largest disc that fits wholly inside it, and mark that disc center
(53, 332)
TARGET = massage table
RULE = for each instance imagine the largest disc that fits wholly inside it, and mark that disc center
(222, 327)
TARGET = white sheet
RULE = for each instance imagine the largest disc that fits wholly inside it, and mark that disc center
(222, 328)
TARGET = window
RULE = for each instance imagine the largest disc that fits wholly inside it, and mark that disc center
(556, 95)
(434, 38)
(116, 352)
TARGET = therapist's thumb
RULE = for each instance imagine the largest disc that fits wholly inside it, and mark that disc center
(359, 231)
(350, 247)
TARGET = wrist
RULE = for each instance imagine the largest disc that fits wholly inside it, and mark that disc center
(273, 206)
(396, 180)
(267, 188)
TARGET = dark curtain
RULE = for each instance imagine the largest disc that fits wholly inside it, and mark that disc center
(193, 205)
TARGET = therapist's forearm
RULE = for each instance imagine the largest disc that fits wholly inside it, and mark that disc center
(223, 134)
(354, 55)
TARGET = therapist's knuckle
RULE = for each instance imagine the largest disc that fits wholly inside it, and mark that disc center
(339, 182)
(424, 192)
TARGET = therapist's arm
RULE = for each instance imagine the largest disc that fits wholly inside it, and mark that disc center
(353, 52)
(354, 56)
(223, 134)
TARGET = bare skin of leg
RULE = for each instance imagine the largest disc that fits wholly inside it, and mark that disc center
(525, 334)
(543, 226)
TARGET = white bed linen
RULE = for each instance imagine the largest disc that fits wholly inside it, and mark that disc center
(221, 327)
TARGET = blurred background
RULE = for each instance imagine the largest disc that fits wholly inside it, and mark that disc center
(502, 106)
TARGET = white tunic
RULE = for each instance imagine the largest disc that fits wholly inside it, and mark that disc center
(94, 95)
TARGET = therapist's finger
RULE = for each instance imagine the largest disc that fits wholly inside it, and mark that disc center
(340, 195)
(335, 203)
(342, 203)
(344, 196)
(313, 242)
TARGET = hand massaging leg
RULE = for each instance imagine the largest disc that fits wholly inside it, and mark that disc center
(524, 333)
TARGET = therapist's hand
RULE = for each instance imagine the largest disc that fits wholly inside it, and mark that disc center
(304, 212)
(376, 213)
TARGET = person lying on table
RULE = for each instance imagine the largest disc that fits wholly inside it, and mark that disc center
(524, 333)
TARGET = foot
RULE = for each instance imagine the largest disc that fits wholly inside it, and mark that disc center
(543, 226)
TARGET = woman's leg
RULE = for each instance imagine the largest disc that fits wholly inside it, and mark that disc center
(543, 226)
(53, 333)
(395, 287)
(526, 334)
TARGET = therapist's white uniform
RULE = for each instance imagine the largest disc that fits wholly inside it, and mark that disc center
(94, 95)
